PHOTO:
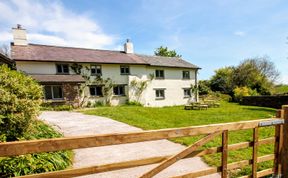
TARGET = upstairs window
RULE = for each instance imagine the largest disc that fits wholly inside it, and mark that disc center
(187, 92)
(124, 70)
(186, 75)
(62, 68)
(160, 93)
(159, 74)
(53, 92)
(119, 90)
(96, 70)
(95, 91)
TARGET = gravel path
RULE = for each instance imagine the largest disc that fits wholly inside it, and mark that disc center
(78, 124)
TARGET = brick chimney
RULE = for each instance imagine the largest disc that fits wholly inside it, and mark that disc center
(128, 47)
(19, 35)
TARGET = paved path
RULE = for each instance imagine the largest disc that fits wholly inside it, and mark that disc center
(78, 124)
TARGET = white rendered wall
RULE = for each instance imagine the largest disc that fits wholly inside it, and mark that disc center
(172, 83)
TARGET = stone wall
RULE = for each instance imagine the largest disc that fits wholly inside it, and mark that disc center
(266, 101)
(71, 93)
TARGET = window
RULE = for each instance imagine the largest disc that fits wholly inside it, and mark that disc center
(159, 74)
(95, 91)
(119, 90)
(62, 68)
(186, 75)
(187, 92)
(124, 70)
(53, 92)
(160, 93)
(96, 70)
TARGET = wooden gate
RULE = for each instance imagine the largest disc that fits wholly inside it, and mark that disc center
(280, 142)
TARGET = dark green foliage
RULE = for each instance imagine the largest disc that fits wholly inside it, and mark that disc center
(63, 107)
(164, 51)
(36, 163)
(19, 103)
(204, 87)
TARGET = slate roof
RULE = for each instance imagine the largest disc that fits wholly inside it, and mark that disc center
(58, 78)
(35, 52)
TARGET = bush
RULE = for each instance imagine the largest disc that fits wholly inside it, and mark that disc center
(36, 163)
(240, 92)
(63, 107)
(19, 103)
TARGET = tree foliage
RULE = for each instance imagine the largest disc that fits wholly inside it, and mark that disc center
(164, 51)
(20, 101)
(222, 80)
(257, 74)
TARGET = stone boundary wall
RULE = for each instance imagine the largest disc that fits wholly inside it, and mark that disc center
(266, 101)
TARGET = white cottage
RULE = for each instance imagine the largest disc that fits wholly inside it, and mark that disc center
(76, 75)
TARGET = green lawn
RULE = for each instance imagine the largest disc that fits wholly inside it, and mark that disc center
(171, 117)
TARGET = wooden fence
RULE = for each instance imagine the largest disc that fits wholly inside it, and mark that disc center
(280, 141)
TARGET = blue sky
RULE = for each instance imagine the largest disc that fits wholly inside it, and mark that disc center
(210, 34)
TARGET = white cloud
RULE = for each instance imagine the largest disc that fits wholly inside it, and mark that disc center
(239, 33)
(48, 22)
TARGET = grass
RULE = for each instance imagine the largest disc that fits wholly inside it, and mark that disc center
(172, 117)
(36, 163)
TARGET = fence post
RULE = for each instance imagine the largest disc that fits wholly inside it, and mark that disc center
(284, 150)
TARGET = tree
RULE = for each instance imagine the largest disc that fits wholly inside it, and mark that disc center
(256, 73)
(164, 51)
(203, 87)
(222, 80)
(5, 50)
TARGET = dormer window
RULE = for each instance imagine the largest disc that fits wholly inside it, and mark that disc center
(62, 68)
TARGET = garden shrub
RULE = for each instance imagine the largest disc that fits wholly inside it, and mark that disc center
(19, 103)
(240, 92)
(36, 163)
(20, 99)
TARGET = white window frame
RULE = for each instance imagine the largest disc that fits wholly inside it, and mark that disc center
(125, 67)
(94, 87)
(158, 92)
(183, 76)
(187, 96)
(119, 90)
(158, 71)
(62, 69)
(96, 67)
(52, 92)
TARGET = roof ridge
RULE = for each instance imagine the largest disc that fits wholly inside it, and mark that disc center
(74, 47)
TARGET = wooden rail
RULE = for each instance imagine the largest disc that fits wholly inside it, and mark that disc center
(280, 155)
(56, 144)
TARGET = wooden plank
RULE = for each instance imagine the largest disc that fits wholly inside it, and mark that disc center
(180, 155)
(277, 147)
(224, 154)
(236, 165)
(255, 150)
(97, 169)
(47, 145)
(265, 172)
(284, 150)
(142, 162)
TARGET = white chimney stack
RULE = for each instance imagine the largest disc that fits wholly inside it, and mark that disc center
(19, 35)
(128, 47)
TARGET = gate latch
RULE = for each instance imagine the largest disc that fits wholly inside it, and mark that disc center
(272, 122)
